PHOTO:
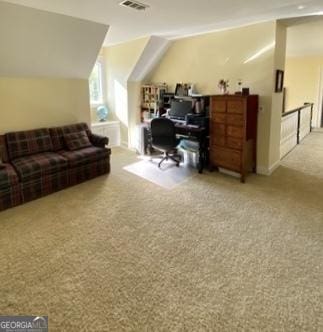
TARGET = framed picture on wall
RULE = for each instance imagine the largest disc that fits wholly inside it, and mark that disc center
(279, 81)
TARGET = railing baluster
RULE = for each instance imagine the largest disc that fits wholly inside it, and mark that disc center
(292, 124)
(311, 128)
(298, 125)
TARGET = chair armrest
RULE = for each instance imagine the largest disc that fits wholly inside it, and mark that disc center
(99, 141)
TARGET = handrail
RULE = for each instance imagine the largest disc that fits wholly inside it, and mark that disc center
(298, 109)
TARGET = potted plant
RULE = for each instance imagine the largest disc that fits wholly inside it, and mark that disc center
(223, 86)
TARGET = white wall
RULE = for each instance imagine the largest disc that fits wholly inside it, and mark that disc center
(28, 103)
(36, 43)
(302, 82)
(246, 53)
(277, 98)
(120, 61)
(45, 62)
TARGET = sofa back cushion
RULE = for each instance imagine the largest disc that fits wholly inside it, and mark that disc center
(76, 141)
(3, 150)
(25, 143)
(57, 134)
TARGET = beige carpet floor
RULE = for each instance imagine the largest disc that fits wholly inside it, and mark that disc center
(119, 253)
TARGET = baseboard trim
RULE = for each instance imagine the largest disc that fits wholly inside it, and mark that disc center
(268, 171)
(231, 173)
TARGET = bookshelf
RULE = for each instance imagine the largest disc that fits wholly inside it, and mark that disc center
(151, 96)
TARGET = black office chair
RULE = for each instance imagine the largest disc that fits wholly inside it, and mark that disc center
(163, 138)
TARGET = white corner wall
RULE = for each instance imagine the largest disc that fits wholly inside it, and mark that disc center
(45, 62)
(245, 53)
(37, 43)
(127, 65)
(277, 98)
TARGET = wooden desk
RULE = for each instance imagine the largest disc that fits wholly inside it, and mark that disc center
(199, 134)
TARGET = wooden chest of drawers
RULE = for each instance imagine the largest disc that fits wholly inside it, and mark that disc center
(233, 133)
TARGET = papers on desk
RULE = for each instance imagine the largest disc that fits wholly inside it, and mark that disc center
(183, 123)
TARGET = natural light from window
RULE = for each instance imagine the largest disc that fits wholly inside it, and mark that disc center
(121, 102)
(96, 84)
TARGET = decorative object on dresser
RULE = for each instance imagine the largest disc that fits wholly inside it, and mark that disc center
(233, 133)
(109, 129)
(239, 87)
(245, 91)
(223, 86)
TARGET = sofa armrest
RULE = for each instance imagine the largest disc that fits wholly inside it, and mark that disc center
(99, 141)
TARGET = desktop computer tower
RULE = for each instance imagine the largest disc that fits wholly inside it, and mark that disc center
(143, 138)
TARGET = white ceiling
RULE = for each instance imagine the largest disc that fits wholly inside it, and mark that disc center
(175, 18)
(305, 38)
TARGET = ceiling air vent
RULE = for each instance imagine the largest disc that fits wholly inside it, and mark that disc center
(134, 5)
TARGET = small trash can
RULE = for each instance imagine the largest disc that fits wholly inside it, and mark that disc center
(190, 152)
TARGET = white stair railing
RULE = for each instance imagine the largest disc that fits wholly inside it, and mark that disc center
(305, 123)
(295, 126)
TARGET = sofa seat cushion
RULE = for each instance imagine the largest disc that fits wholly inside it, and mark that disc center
(29, 142)
(38, 165)
(8, 177)
(84, 156)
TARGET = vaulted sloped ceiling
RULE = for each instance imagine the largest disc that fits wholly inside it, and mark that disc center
(154, 50)
(175, 18)
(35, 43)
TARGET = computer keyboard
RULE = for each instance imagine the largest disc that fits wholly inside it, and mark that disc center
(178, 121)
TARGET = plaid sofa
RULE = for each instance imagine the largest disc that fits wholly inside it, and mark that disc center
(10, 194)
(38, 162)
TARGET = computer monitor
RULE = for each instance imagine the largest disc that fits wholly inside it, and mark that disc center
(180, 108)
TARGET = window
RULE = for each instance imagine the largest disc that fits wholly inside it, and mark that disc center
(96, 84)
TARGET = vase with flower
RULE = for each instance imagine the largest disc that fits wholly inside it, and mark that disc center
(223, 86)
